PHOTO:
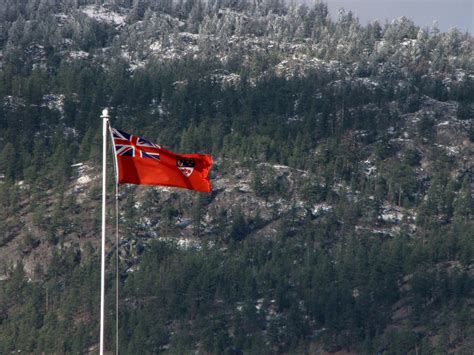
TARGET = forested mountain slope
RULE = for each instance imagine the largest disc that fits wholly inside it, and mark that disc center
(341, 217)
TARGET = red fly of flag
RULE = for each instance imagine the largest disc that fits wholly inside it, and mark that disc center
(142, 162)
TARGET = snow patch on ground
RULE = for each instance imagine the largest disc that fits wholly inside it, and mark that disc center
(320, 208)
(285, 168)
(298, 66)
(188, 243)
(183, 222)
(101, 14)
(137, 65)
(84, 177)
(381, 231)
(392, 216)
(83, 180)
(243, 187)
(12, 102)
(184, 243)
(62, 16)
(54, 102)
(158, 108)
(369, 168)
(294, 118)
(75, 55)
(176, 46)
(226, 80)
(450, 150)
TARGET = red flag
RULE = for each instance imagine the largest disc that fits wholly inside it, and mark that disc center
(142, 162)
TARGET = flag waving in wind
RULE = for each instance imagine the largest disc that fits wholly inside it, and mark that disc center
(142, 162)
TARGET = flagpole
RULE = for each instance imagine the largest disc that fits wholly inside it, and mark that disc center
(105, 119)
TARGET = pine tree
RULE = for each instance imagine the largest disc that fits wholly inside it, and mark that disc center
(9, 162)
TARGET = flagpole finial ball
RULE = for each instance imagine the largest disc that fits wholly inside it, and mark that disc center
(105, 112)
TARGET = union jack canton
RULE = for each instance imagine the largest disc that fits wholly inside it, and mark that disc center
(127, 145)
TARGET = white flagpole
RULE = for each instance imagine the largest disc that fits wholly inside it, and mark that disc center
(105, 119)
(117, 218)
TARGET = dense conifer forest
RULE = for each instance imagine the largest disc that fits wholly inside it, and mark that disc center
(341, 217)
